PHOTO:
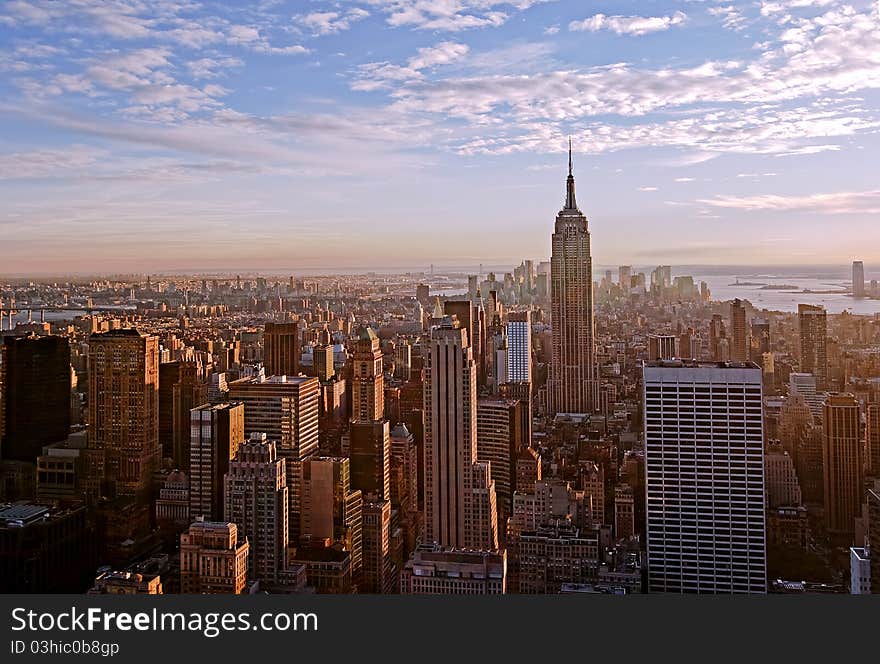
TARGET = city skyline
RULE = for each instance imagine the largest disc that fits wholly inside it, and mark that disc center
(167, 136)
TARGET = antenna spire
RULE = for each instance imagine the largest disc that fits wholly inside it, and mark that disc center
(570, 203)
(569, 156)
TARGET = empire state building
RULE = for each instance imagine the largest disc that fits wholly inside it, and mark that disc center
(573, 385)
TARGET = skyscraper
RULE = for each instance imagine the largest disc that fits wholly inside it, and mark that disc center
(500, 437)
(704, 478)
(739, 350)
(814, 339)
(215, 434)
(124, 408)
(281, 349)
(468, 315)
(286, 409)
(842, 464)
(180, 390)
(662, 347)
(460, 508)
(255, 500)
(573, 384)
(872, 441)
(36, 395)
(370, 452)
(331, 509)
(368, 380)
(519, 347)
(858, 279)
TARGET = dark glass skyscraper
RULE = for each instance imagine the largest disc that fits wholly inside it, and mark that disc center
(36, 395)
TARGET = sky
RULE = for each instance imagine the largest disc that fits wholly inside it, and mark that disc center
(149, 135)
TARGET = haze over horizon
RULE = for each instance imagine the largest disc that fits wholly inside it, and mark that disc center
(166, 135)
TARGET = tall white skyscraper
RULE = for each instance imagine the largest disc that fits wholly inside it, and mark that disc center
(572, 386)
(519, 347)
(704, 478)
(460, 508)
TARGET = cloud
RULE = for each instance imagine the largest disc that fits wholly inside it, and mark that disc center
(647, 189)
(450, 15)
(331, 22)
(48, 162)
(380, 75)
(628, 25)
(684, 179)
(732, 17)
(213, 67)
(439, 54)
(857, 202)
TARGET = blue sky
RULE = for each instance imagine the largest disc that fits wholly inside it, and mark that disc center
(147, 135)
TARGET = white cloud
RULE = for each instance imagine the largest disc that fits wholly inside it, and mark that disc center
(450, 15)
(850, 202)
(212, 67)
(628, 25)
(439, 54)
(330, 22)
(647, 189)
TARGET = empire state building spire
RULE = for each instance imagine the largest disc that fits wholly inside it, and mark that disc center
(570, 202)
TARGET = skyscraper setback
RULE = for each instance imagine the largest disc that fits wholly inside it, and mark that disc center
(572, 386)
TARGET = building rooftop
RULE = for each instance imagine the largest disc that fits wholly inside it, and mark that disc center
(697, 364)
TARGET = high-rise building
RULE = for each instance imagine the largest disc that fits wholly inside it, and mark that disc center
(177, 375)
(468, 314)
(624, 512)
(519, 347)
(544, 559)
(739, 349)
(255, 500)
(872, 537)
(719, 347)
(281, 349)
(378, 575)
(286, 409)
(573, 385)
(760, 341)
(872, 441)
(813, 323)
(370, 453)
(842, 464)
(858, 279)
(213, 559)
(402, 360)
(215, 435)
(783, 487)
(368, 380)
(124, 408)
(704, 478)
(500, 437)
(331, 510)
(460, 508)
(624, 278)
(662, 347)
(323, 361)
(36, 395)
